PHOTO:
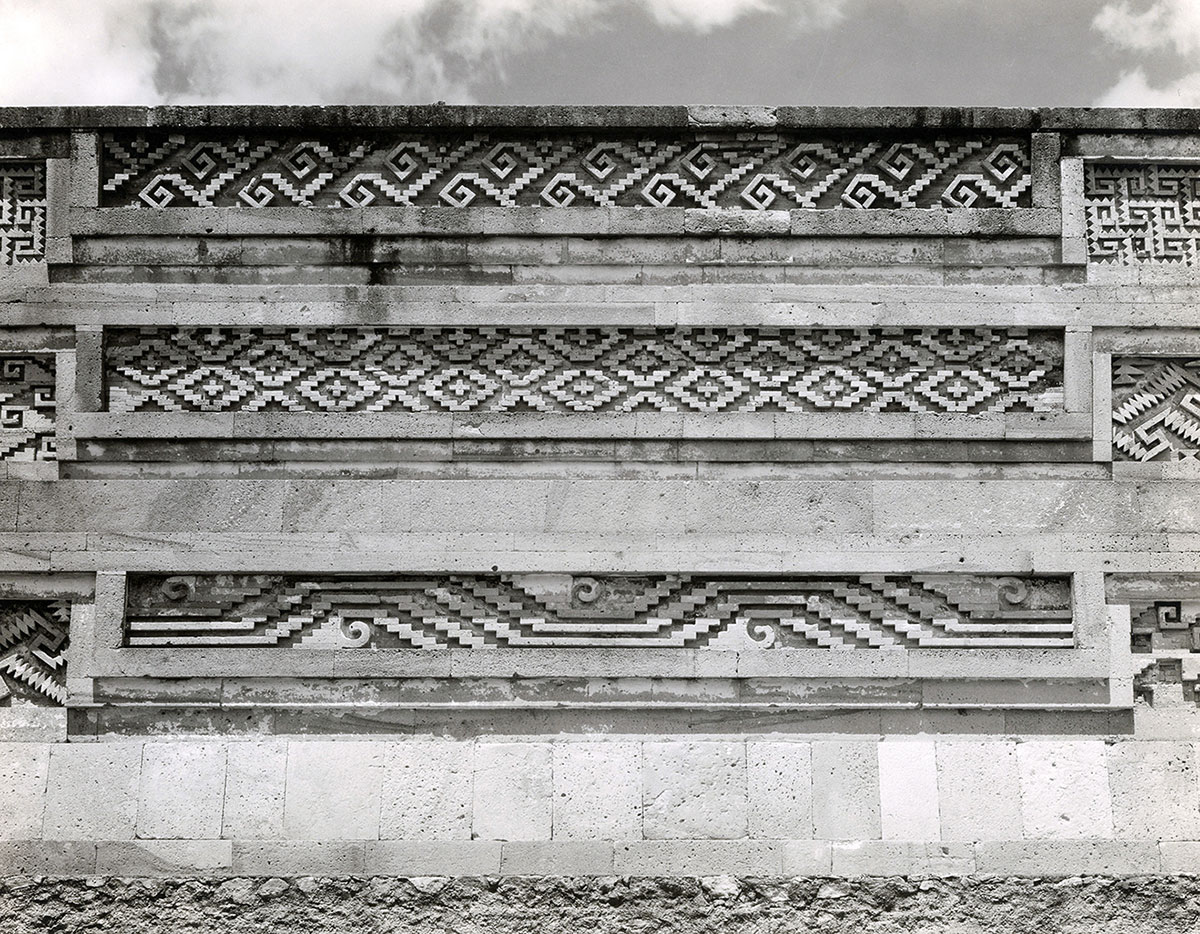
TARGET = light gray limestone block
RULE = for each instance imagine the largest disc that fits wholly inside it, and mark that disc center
(1154, 790)
(47, 857)
(433, 857)
(1064, 789)
(845, 790)
(908, 791)
(92, 791)
(182, 790)
(556, 858)
(512, 792)
(163, 857)
(255, 774)
(806, 857)
(1066, 857)
(23, 771)
(699, 857)
(299, 857)
(978, 791)
(597, 791)
(427, 791)
(779, 785)
(333, 790)
(694, 790)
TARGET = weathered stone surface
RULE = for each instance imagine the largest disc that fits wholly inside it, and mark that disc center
(978, 791)
(779, 784)
(845, 790)
(513, 789)
(1064, 789)
(597, 791)
(1154, 790)
(255, 775)
(333, 790)
(426, 792)
(182, 792)
(694, 790)
(23, 771)
(92, 791)
(908, 791)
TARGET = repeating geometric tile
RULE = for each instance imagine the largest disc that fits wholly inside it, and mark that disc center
(1165, 639)
(1142, 213)
(1156, 408)
(27, 414)
(33, 647)
(718, 169)
(22, 213)
(479, 611)
(564, 370)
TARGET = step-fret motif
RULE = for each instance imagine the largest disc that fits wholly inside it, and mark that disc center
(546, 610)
(22, 213)
(565, 370)
(716, 169)
(1142, 213)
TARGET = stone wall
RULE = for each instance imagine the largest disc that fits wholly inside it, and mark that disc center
(643, 493)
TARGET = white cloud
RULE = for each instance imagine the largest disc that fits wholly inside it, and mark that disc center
(1163, 26)
(312, 51)
(1133, 90)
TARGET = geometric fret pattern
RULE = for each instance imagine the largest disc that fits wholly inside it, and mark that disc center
(27, 408)
(716, 169)
(481, 611)
(1156, 408)
(1142, 213)
(22, 213)
(1169, 632)
(583, 370)
(33, 646)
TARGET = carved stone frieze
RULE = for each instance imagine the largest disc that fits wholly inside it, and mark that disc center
(565, 370)
(22, 213)
(479, 611)
(33, 645)
(1156, 408)
(715, 169)
(27, 407)
(1142, 213)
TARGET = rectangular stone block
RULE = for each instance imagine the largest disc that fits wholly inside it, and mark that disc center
(163, 857)
(908, 791)
(555, 858)
(1154, 790)
(433, 857)
(512, 791)
(845, 790)
(92, 791)
(1180, 856)
(694, 790)
(699, 858)
(299, 857)
(254, 790)
(1066, 857)
(1064, 789)
(333, 790)
(47, 858)
(978, 791)
(427, 791)
(806, 857)
(23, 771)
(779, 786)
(182, 790)
(597, 791)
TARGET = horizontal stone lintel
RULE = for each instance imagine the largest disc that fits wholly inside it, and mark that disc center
(1143, 119)
(591, 221)
(647, 425)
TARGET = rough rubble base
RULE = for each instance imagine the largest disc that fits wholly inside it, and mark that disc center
(1162, 904)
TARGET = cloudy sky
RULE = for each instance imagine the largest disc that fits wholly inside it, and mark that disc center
(1000, 52)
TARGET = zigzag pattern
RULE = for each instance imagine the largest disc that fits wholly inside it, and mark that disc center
(22, 213)
(1142, 213)
(565, 370)
(27, 408)
(1156, 408)
(564, 611)
(719, 169)
(33, 645)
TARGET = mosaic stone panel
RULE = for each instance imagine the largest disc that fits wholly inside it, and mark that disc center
(868, 612)
(565, 370)
(1166, 645)
(1142, 213)
(27, 413)
(33, 647)
(22, 213)
(1156, 408)
(719, 169)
